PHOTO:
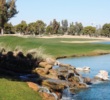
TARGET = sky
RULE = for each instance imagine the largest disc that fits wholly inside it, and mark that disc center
(88, 12)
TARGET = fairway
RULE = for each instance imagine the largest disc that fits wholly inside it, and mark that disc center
(54, 46)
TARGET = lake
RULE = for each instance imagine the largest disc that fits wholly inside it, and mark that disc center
(99, 91)
(106, 42)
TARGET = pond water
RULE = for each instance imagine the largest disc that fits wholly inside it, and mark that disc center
(106, 42)
(99, 91)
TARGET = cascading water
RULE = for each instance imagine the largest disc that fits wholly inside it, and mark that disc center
(66, 93)
(45, 89)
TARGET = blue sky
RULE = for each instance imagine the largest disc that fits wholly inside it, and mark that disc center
(89, 12)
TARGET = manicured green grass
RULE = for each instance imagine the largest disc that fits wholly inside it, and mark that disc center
(54, 46)
(15, 90)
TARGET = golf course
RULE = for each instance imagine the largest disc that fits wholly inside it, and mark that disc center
(10, 89)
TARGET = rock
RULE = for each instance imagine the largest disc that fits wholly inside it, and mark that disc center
(102, 75)
(51, 76)
(77, 85)
(45, 65)
(64, 65)
(54, 85)
(48, 66)
(47, 96)
(61, 77)
(75, 72)
(87, 80)
(74, 79)
(62, 70)
(50, 61)
(59, 95)
(71, 75)
(57, 63)
(34, 86)
(53, 72)
(83, 69)
(41, 71)
(81, 85)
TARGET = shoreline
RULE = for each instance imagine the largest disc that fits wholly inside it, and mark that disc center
(83, 55)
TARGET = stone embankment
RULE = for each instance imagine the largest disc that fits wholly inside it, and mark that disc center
(58, 79)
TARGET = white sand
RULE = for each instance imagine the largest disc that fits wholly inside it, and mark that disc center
(98, 39)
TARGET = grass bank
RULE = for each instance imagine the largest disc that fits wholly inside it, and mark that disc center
(15, 90)
(55, 47)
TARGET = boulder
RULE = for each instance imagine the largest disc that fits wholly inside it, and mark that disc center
(87, 80)
(54, 85)
(83, 68)
(62, 70)
(57, 63)
(50, 61)
(41, 71)
(47, 96)
(53, 72)
(77, 85)
(81, 85)
(71, 75)
(74, 79)
(61, 77)
(48, 66)
(75, 72)
(65, 72)
(59, 95)
(102, 75)
(51, 76)
(45, 65)
(34, 86)
(64, 65)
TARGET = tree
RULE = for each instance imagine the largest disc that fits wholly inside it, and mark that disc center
(40, 27)
(36, 28)
(89, 30)
(60, 31)
(55, 26)
(64, 25)
(72, 29)
(78, 28)
(49, 29)
(98, 31)
(9, 29)
(22, 27)
(31, 28)
(7, 11)
(106, 30)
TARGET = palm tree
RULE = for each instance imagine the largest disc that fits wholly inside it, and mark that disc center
(7, 11)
